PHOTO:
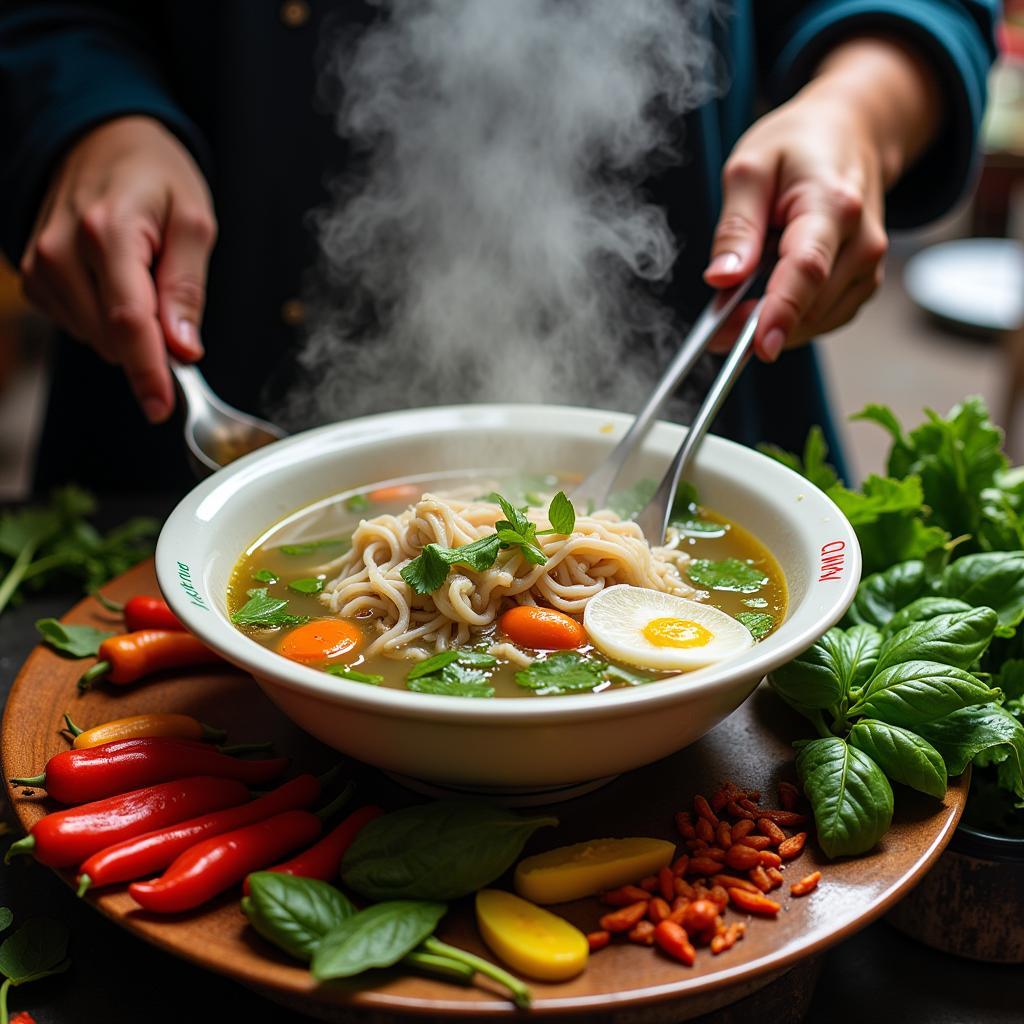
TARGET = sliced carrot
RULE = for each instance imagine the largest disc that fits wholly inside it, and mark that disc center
(395, 493)
(543, 629)
(321, 640)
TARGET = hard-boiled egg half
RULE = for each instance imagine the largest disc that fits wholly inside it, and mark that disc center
(661, 631)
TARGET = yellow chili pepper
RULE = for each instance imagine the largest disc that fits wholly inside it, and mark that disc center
(182, 727)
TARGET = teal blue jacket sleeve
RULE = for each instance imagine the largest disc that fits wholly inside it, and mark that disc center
(957, 37)
(65, 68)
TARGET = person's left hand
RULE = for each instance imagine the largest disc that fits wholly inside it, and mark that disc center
(813, 169)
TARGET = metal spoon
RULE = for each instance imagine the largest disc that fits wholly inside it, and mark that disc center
(217, 433)
(653, 518)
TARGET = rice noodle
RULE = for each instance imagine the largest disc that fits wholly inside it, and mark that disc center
(367, 583)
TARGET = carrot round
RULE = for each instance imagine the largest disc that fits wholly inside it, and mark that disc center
(321, 640)
(543, 629)
(395, 493)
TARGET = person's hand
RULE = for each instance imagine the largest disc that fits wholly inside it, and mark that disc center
(119, 252)
(817, 169)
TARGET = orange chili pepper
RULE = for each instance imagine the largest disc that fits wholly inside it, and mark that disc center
(130, 657)
(182, 727)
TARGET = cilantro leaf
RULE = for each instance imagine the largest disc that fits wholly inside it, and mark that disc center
(516, 519)
(265, 576)
(429, 570)
(760, 624)
(310, 585)
(813, 465)
(345, 672)
(75, 641)
(311, 547)
(562, 514)
(563, 672)
(357, 503)
(454, 680)
(729, 574)
(265, 611)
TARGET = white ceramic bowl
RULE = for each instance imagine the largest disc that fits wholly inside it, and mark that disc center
(531, 744)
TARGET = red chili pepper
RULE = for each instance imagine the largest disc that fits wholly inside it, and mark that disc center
(144, 612)
(74, 776)
(127, 658)
(146, 854)
(210, 867)
(65, 838)
(323, 859)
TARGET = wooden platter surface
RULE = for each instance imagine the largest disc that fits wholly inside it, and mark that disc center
(623, 982)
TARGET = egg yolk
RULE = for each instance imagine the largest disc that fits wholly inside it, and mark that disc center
(677, 633)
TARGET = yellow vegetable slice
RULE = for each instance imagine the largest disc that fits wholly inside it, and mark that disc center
(572, 872)
(530, 940)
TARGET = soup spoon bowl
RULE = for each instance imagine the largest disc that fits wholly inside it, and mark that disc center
(528, 749)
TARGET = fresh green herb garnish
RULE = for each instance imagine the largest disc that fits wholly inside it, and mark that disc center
(309, 585)
(760, 624)
(358, 503)
(265, 611)
(441, 850)
(345, 672)
(618, 674)
(563, 672)
(755, 602)
(454, 681)
(729, 574)
(41, 545)
(430, 569)
(265, 576)
(75, 641)
(311, 547)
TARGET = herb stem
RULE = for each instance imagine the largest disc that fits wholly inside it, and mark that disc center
(4, 989)
(441, 966)
(12, 581)
(520, 992)
(818, 720)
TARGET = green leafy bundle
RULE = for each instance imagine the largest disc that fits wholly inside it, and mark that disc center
(43, 545)
(927, 675)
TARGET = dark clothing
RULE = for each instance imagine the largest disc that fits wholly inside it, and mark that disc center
(237, 82)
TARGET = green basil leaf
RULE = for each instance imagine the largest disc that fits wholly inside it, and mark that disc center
(850, 797)
(921, 610)
(958, 639)
(294, 913)
(265, 576)
(562, 514)
(915, 692)
(862, 646)
(760, 624)
(312, 547)
(434, 663)
(729, 574)
(36, 949)
(265, 611)
(987, 732)
(378, 936)
(818, 678)
(453, 681)
(310, 585)
(346, 672)
(903, 755)
(994, 579)
(436, 851)
(562, 672)
(74, 641)
(6, 917)
(881, 595)
(1011, 679)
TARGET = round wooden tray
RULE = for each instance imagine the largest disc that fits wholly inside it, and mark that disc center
(623, 982)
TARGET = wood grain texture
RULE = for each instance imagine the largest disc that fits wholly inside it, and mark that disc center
(624, 982)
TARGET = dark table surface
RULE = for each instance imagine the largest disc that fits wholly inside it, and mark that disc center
(117, 979)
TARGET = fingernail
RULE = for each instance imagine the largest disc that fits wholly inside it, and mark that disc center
(155, 409)
(724, 263)
(771, 347)
(188, 336)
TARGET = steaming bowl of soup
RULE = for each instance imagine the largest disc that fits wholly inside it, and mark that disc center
(228, 526)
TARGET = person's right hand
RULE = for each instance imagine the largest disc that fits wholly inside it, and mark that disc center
(119, 251)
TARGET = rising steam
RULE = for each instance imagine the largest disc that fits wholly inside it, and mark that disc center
(496, 243)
